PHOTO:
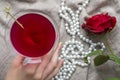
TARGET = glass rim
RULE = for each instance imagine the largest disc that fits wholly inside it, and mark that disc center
(21, 13)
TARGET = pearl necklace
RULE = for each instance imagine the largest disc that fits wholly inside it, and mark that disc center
(73, 51)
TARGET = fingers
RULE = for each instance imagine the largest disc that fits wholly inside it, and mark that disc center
(42, 66)
(30, 68)
(40, 70)
(56, 70)
(18, 60)
(57, 53)
(47, 66)
(53, 63)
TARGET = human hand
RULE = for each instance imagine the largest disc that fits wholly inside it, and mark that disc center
(45, 70)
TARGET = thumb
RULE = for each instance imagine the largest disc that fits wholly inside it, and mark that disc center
(18, 60)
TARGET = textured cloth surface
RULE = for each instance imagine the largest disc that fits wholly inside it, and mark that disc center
(51, 7)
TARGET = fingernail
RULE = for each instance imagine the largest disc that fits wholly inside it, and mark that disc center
(60, 43)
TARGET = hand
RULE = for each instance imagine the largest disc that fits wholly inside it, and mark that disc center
(45, 70)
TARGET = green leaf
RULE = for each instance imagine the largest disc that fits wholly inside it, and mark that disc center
(113, 79)
(100, 59)
(95, 53)
(85, 60)
(114, 58)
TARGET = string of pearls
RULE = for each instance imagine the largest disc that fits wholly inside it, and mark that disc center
(73, 51)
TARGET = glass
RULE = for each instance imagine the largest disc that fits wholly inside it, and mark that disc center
(10, 27)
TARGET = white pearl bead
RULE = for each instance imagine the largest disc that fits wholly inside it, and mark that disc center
(63, 77)
(87, 40)
(56, 77)
(86, 1)
(84, 38)
(90, 48)
(64, 54)
(82, 64)
(78, 33)
(72, 14)
(90, 41)
(60, 11)
(70, 71)
(77, 23)
(66, 7)
(66, 24)
(65, 69)
(94, 49)
(69, 20)
(73, 18)
(81, 36)
(69, 50)
(77, 12)
(74, 21)
(63, 8)
(61, 14)
(67, 77)
(62, 4)
(84, 4)
(80, 8)
(103, 47)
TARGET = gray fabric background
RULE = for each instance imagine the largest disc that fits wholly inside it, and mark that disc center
(51, 7)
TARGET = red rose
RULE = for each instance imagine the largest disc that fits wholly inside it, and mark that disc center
(100, 23)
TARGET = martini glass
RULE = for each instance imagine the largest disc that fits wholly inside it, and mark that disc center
(38, 37)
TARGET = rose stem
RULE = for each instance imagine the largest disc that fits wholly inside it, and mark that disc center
(8, 12)
(108, 44)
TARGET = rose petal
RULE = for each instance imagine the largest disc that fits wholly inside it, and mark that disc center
(100, 23)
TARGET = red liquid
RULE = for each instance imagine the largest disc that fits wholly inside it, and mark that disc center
(37, 37)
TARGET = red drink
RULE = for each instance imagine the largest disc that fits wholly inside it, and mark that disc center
(36, 39)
